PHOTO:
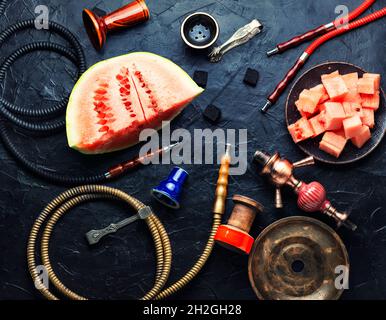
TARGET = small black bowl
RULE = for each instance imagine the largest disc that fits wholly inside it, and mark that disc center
(200, 30)
(350, 153)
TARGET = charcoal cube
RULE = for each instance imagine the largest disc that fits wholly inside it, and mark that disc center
(212, 113)
(201, 78)
(251, 77)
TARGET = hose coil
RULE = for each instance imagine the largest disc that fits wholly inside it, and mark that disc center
(23, 117)
(3, 4)
(59, 206)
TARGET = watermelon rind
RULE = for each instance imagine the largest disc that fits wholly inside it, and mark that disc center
(89, 75)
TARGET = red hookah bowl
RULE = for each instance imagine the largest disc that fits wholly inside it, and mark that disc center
(97, 27)
(312, 197)
(233, 239)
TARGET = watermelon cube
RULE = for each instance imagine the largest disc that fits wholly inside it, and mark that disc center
(332, 143)
(370, 101)
(308, 101)
(317, 123)
(376, 77)
(353, 96)
(321, 89)
(335, 86)
(368, 117)
(351, 81)
(301, 130)
(305, 114)
(366, 85)
(362, 137)
(352, 109)
(322, 107)
(330, 75)
(334, 115)
(352, 126)
(341, 133)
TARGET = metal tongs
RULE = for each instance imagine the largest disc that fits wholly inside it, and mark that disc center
(241, 36)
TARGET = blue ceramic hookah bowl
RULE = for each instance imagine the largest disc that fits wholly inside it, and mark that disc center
(169, 190)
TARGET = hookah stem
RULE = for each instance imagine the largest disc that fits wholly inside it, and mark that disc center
(314, 45)
(218, 210)
(311, 34)
(119, 169)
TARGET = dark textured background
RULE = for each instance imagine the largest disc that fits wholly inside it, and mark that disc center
(123, 265)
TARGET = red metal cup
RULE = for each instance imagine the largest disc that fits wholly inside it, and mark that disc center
(97, 27)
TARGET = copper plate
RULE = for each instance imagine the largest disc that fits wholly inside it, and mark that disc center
(350, 153)
(295, 259)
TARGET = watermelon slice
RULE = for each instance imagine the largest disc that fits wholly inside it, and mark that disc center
(117, 98)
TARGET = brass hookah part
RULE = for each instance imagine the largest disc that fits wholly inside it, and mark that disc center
(58, 207)
(311, 197)
(222, 183)
(218, 211)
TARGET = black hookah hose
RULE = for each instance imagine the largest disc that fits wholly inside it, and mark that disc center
(23, 117)
(3, 3)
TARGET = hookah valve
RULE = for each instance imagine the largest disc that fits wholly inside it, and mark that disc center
(235, 234)
(311, 197)
(98, 26)
(169, 191)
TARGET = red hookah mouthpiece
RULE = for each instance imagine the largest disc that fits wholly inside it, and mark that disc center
(282, 85)
(318, 31)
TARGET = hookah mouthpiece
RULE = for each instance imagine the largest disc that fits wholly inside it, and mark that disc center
(169, 191)
(222, 182)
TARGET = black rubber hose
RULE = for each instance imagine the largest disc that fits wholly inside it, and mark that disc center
(80, 59)
(12, 113)
(3, 4)
(44, 173)
(41, 127)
